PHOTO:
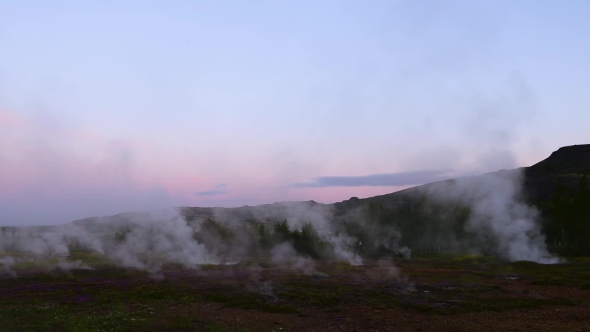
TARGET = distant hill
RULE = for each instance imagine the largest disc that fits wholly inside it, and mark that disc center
(438, 216)
(568, 163)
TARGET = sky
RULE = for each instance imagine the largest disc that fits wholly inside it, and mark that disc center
(113, 106)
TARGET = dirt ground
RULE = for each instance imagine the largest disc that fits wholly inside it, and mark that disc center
(359, 317)
(409, 295)
(363, 318)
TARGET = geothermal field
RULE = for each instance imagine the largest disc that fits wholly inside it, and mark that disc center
(335, 165)
(443, 292)
(462, 255)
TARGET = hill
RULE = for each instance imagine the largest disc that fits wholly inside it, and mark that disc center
(539, 181)
(546, 202)
(568, 164)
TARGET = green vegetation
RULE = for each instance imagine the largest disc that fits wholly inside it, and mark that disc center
(568, 219)
(420, 225)
(376, 231)
(260, 238)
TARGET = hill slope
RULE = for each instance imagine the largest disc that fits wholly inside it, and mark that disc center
(490, 213)
(568, 163)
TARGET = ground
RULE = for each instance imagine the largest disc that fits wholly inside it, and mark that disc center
(438, 293)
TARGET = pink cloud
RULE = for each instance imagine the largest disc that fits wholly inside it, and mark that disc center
(12, 120)
(46, 166)
(85, 156)
(49, 167)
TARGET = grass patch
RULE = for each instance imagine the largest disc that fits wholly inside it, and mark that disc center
(115, 299)
(74, 318)
(250, 301)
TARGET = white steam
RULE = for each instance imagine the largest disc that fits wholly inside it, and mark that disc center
(499, 221)
(152, 239)
(6, 264)
(284, 254)
(157, 238)
(498, 216)
(149, 240)
(296, 214)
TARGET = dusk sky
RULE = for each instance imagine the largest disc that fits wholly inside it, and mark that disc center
(113, 106)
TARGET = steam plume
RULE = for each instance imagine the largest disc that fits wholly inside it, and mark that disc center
(499, 218)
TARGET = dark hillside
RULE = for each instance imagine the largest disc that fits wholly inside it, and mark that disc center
(558, 186)
(569, 164)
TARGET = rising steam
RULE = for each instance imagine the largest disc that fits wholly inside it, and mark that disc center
(498, 221)
(149, 240)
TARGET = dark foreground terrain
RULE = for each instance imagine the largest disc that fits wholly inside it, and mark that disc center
(439, 293)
